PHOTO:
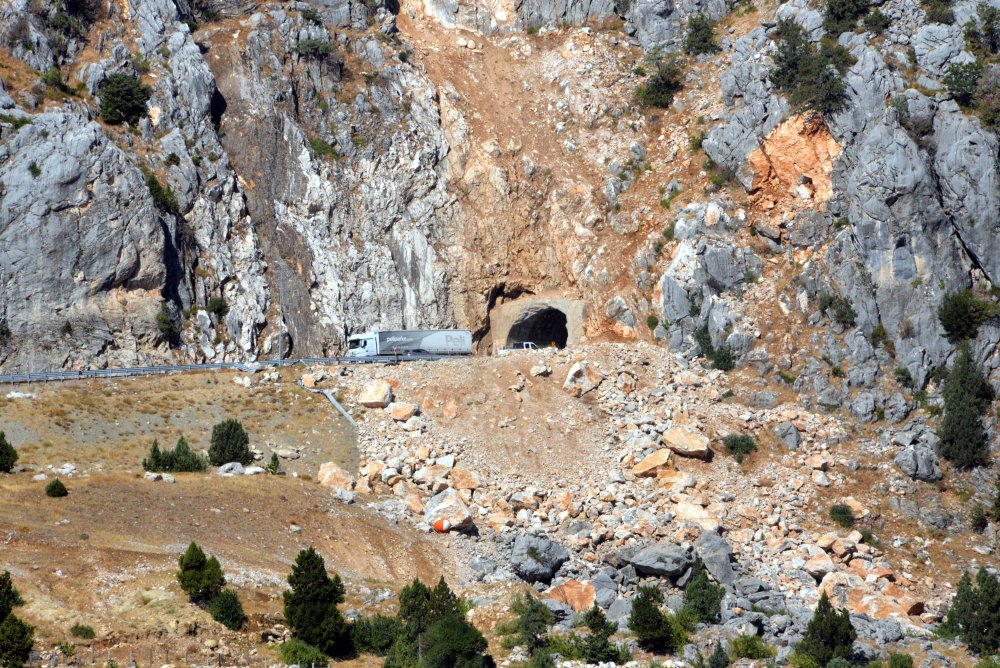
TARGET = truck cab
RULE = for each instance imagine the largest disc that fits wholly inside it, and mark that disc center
(362, 345)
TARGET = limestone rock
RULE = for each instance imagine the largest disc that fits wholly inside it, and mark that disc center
(653, 464)
(537, 559)
(574, 593)
(377, 394)
(581, 379)
(663, 559)
(330, 475)
(687, 443)
(401, 411)
(448, 505)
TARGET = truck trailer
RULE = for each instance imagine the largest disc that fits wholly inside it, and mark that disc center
(410, 342)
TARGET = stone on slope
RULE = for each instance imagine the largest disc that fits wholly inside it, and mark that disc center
(661, 559)
(573, 593)
(537, 559)
(401, 411)
(582, 378)
(377, 394)
(448, 505)
(716, 553)
(687, 443)
(331, 475)
(919, 461)
(653, 464)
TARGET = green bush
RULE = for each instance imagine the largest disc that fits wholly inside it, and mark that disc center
(939, 11)
(651, 627)
(311, 605)
(739, 445)
(453, 642)
(977, 519)
(16, 641)
(311, 15)
(659, 88)
(163, 197)
(700, 36)
(375, 635)
(975, 612)
(897, 660)
(829, 635)
(294, 652)
(532, 622)
(56, 489)
(750, 647)
(966, 394)
(166, 325)
(984, 37)
(10, 598)
(8, 455)
(843, 312)
(34, 169)
(652, 321)
(123, 99)
(82, 631)
(318, 48)
(179, 460)
(842, 514)
(961, 314)
(322, 149)
(842, 15)
(904, 377)
(961, 81)
(811, 78)
(230, 443)
(200, 578)
(596, 647)
(721, 357)
(995, 507)
(217, 306)
(876, 22)
(702, 598)
(274, 466)
(227, 610)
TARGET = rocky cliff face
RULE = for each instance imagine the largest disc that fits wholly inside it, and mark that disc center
(343, 166)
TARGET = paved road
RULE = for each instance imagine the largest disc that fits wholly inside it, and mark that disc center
(245, 367)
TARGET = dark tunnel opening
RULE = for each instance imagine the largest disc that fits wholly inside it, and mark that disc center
(545, 326)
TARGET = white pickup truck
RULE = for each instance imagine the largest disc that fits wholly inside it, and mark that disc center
(524, 345)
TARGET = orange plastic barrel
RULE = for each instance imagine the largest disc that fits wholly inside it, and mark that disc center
(442, 526)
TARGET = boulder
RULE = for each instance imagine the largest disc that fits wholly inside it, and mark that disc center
(687, 443)
(401, 411)
(308, 380)
(819, 566)
(331, 475)
(605, 588)
(788, 434)
(653, 464)
(463, 478)
(574, 593)
(377, 394)
(717, 554)
(537, 559)
(539, 371)
(919, 461)
(448, 505)
(664, 559)
(582, 378)
(231, 469)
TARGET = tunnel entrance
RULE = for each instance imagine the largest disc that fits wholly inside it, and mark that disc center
(541, 325)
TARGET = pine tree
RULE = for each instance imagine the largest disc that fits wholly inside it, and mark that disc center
(414, 605)
(443, 603)
(719, 658)
(311, 605)
(16, 641)
(963, 607)
(228, 611)
(983, 636)
(829, 635)
(8, 455)
(702, 597)
(154, 462)
(597, 647)
(533, 621)
(10, 598)
(649, 624)
(200, 578)
(995, 510)
(966, 394)
(454, 643)
(230, 443)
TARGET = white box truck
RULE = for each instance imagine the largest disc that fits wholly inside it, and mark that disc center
(410, 342)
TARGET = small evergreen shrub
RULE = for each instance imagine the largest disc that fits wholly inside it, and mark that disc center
(897, 660)
(842, 514)
(659, 88)
(163, 197)
(123, 99)
(596, 648)
(750, 647)
(8, 455)
(876, 22)
(227, 610)
(230, 443)
(10, 597)
(375, 634)
(702, 598)
(294, 652)
(200, 578)
(56, 489)
(718, 659)
(34, 169)
(652, 321)
(654, 631)
(322, 148)
(179, 460)
(316, 48)
(82, 631)
(962, 80)
(310, 605)
(966, 394)
(700, 36)
(217, 306)
(977, 519)
(166, 325)
(274, 466)
(842, 15)
(16, 641)
(939, 11)
(811, 78)
(532, 622)
(904, 377)
(739, 445)
(961, 314)
(829, 635)
(311, 15)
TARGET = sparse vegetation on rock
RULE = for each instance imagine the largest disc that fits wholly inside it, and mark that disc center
(700, 36)
(829, 635)
(665, 80)
(123, 99)
(811, 77)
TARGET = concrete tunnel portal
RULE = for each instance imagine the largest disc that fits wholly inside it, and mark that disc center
(541, 320)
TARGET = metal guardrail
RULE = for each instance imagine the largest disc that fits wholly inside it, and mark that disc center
(245, 367)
